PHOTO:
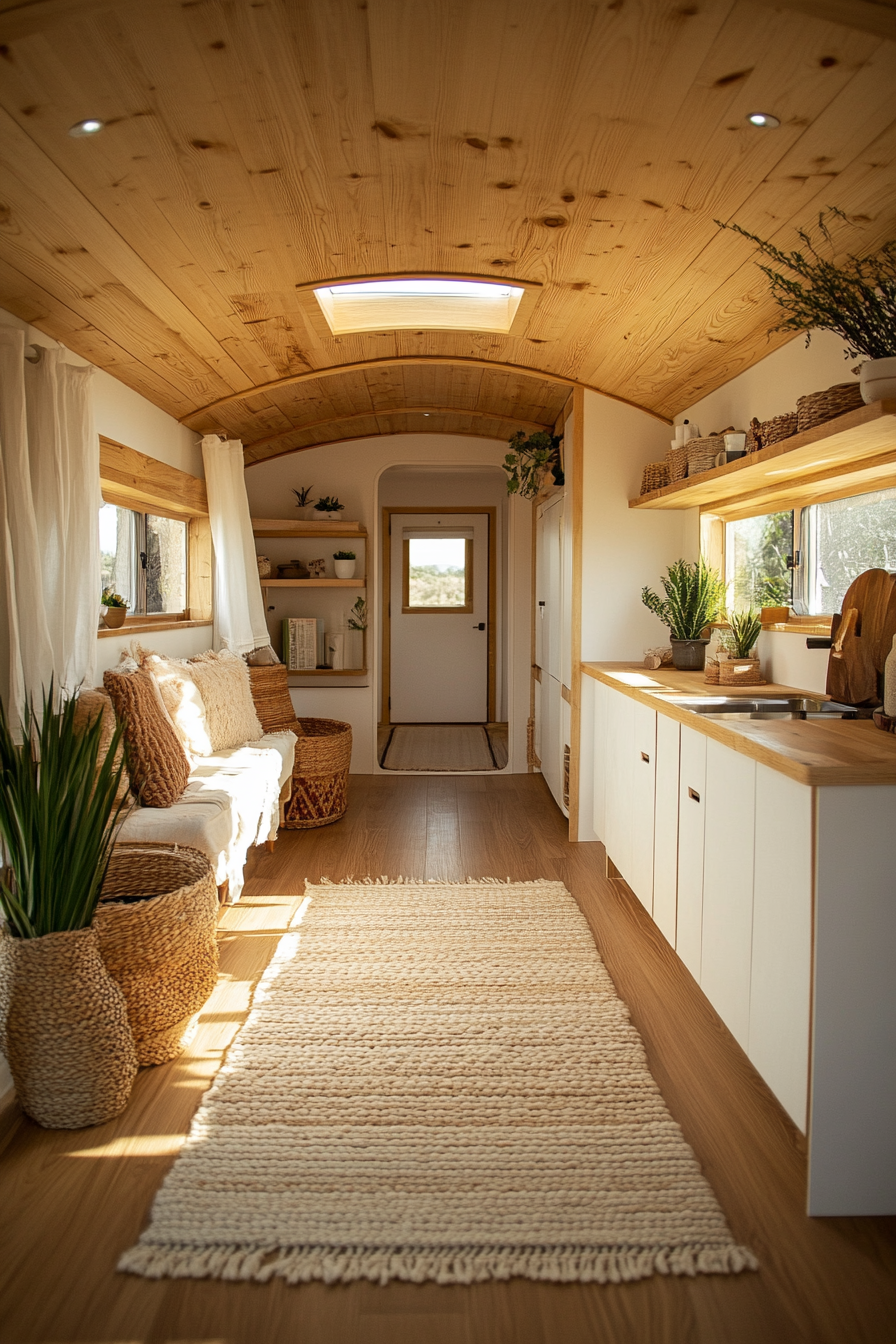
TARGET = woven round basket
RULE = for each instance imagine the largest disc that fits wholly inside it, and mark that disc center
(156, 925)
(270, 694)
(64, 1029)
(702, 453)
(818, 407)
(677, 461)
(754, 437)
(740, 672)
(778, 428)
(320, 774)
(656, 475)
(711, 672)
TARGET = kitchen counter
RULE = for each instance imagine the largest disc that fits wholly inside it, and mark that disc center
(810, 751)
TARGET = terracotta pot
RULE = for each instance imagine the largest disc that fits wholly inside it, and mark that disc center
(114, 617)
(878, 380)
(688, 655)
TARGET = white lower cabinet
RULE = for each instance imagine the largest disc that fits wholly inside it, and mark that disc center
(665, 827)
(691, 818)
(643, 749)
(629, 790)
(620, 736)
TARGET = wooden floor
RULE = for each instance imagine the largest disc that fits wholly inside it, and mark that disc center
(70, 1202)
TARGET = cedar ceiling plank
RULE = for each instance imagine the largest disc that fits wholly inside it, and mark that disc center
(870, 16)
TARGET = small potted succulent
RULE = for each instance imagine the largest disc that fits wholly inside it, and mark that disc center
(344, 564)
(304, 500)
(695, 595)
(114, 609)
(327, 507)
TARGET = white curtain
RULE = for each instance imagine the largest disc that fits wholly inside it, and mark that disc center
(49, 504)
(240, 623)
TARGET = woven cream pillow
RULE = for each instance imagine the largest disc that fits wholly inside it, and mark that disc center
(182, 699)
(223, 681)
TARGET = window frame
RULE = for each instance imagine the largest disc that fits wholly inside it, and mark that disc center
(408, 610)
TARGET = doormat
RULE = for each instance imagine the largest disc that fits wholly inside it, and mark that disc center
(438, 746)
(437, 1081)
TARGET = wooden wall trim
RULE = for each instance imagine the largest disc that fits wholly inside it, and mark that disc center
(575, 466)
(134, 481)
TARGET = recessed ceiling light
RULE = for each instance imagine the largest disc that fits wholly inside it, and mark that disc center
(763, 119)
(88, 127)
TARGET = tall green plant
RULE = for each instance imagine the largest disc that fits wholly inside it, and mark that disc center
(695, 595)
(57, 817)
(746, 627)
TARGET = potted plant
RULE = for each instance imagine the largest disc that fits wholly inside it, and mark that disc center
(63, 1019)
(114, 609)
(344, 564)
(528, 462)
(327, 506)
(856, 299)
(741, 666)
(694, 597)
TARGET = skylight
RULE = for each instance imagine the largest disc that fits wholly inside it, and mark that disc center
(420, 305)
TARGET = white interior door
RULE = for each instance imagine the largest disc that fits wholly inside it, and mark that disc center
(439, 592)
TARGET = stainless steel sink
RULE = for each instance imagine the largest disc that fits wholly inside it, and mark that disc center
(762, 707)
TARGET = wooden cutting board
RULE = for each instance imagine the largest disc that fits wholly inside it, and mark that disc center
(856, 676)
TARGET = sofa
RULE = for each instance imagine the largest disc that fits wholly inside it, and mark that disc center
(200, 770)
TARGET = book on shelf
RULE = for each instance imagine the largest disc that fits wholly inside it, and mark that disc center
(303, 643)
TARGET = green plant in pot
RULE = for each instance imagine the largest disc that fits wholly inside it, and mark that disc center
(344, 564)
(695, 594)
(328, 506)
(855, 298)
(746, 627)
(63, 1019)
(529, 461)
(115, 609)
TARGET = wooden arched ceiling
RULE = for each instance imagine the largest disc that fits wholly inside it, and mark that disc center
(254, 146)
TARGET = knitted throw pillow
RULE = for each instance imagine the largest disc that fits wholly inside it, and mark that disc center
(158, 768)
(270, 692)
(223, 681)
(182, 699)
(90, 705)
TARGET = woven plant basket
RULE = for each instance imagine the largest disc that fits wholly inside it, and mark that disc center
(754, 437)
(320, 774)
(656, 475)
(818, 407)
(702, 453)
(156, 925)
(711, 672)
(740, 672)
(677, 461)
(778, 428)
(270, 694)
(64, 1029)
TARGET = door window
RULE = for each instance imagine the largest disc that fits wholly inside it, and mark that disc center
(438, 573)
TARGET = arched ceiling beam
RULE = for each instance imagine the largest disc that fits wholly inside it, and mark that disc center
(384, 361)
(358, 438)
(398, 410)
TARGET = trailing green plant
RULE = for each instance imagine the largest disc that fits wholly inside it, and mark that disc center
(110, 599)
(329, 504)
(303, 496)
(344, 555)
(357, 617)
(856, 299)
(695, 595)
(746, 627)
(529, 460)
(58, 817)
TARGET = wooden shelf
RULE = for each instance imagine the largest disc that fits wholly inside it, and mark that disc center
(313, 583)
(847, 456)
(293, 677)
(288, 527)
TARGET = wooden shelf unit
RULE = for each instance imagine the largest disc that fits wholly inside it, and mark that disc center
(313, 583)
(295, 678)
(850, 455)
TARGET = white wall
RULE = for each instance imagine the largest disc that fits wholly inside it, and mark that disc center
(353, 471)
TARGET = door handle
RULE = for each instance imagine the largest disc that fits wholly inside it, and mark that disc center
(645, 757)
(480, 626)
(692, 793)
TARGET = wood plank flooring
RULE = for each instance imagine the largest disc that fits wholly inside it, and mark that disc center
(70, 1202)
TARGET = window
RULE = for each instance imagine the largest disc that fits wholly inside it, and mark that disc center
(438, 573)
(434, 305)
(757, 556)
(143, 557)
(839, 540)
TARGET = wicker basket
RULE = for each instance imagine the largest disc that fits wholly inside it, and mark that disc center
(677, 461)
(740, 672)
(711, 672)
(156, 925)
(754, 437)
(64, 1029)
(656, 475)
(818, 407)
(270, 694)
(702, 453)
(778, 428)
(320, 774)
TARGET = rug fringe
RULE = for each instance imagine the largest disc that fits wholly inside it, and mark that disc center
(430, 881)
(441, 1264)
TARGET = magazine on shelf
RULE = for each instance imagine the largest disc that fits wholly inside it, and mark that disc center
(303, 643)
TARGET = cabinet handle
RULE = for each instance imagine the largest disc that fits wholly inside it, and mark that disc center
(645, 757)
(692, 793)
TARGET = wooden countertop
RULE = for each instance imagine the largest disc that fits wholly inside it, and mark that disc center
(844, 751)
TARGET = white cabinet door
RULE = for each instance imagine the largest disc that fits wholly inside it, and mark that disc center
(552, 596)
(620, 740)
(725, 956)
(665, 834)
(538, 712)
(691, 805)
(643, 798)
(601, 698)
(540, 591)
(550, 735)
(781, 971)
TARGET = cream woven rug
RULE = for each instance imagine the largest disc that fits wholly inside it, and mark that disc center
(436, 1082)
(438, 746)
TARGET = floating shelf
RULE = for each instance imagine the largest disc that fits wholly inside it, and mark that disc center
(294, 677)
(854, 453)
(289, 527)
(314, 583)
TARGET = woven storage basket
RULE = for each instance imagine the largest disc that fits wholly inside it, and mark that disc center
(156, 925)
(711, 672)
(677, 460)
(740, 672)
(818, 407)
(64, 1029)
(320, 774)
(702, 453)
(778, 428)
(754, 437)
(270, 694)
(656, 475)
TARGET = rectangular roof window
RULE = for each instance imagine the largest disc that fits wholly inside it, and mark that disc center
(420, 305)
